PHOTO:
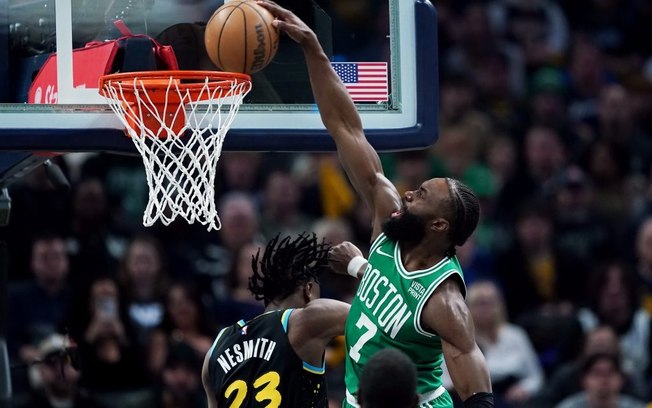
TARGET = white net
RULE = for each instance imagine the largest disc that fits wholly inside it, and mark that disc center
(179, 133)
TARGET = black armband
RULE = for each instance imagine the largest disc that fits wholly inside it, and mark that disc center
(480, 400)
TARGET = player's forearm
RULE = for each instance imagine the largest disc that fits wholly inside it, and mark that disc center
(359, 160)
(469, 373)
(335, 105)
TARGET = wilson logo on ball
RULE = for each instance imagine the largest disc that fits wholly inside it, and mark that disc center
(259, 52)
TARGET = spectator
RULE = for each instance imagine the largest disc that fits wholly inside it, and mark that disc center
(126, 186)
(240, 226)
(587, 77)
(281, 211)
(614, 301)
(493, 81)
(360, 221)
(38, 307)
(609, 23)
(179, 385)
(476, 261)
(55, 380)
(333, 230)
(412, 167)
(325, 190)
(543, 283)
(239, 172)
(617, 126)
(544, 155)
(580, 229)
(110, 362)
(239, 303)
(516, 374)
(143, 280)
(639, 91)
(548, 94)
(501, 158)
(602, 382)
(36, 207)
(607, 165)
(240, 274)
(458, 155)
(533, 272)
(92, 242)
(477, 43)
(567, 379)
(186, 320)
(538, 27)
(208, 257)
(459, 108)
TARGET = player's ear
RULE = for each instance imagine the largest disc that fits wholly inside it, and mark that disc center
(307, 292)
(439, 225)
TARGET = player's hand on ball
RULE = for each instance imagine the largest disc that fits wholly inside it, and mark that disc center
(340, 255)
(288, 22)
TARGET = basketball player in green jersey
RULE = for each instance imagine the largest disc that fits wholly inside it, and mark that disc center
(411, 296)
(276, 360)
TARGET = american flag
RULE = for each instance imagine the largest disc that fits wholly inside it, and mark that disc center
(365, 81)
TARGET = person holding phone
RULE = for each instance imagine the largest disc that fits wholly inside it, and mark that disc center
(109, 358)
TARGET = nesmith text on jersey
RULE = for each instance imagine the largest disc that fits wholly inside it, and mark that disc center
(260, 347)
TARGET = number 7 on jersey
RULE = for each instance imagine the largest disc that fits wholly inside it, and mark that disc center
(371, 329)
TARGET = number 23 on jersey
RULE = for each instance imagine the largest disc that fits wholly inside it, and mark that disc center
(264, 390)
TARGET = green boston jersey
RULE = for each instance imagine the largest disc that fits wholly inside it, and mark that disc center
(386, 312)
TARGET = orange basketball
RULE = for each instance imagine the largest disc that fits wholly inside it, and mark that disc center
(240, 37)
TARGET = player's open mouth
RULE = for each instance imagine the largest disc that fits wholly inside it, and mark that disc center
(397, 213)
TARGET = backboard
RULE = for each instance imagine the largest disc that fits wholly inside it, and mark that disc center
(66, 115)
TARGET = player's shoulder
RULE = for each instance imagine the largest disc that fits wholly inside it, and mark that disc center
(319, 316)
(448, 294)
(328, 306)
(450, 284)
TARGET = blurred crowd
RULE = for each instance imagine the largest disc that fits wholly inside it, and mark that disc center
(545, 111)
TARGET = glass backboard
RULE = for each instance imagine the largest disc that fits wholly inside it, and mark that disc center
(62, 114)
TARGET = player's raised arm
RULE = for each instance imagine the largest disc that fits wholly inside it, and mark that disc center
(358, 157)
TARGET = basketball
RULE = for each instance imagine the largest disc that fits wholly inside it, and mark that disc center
(240, 37)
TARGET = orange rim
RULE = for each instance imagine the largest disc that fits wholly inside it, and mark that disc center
(164, 91)
(192, 81)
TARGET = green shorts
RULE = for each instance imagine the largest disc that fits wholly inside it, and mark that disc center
(442, 401)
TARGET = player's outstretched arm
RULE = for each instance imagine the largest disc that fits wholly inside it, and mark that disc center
(210, 396)
(358, 157)
(447, 314)
(311, 328)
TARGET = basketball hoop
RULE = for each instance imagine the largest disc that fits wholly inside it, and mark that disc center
(178, 121)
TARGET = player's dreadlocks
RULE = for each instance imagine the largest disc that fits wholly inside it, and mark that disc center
(287, 264)
(466, 213)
